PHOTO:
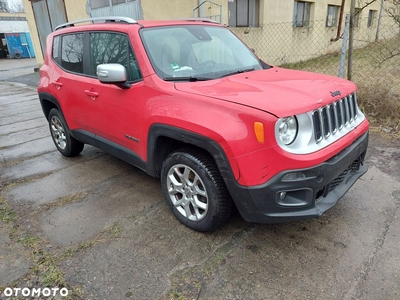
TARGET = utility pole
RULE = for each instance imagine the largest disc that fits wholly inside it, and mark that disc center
(344, 46)
(378, 28)
(351, 40)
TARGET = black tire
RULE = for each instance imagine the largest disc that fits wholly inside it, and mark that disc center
(65, 143)
(194, 190)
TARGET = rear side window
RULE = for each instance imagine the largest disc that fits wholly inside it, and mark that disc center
(111, 47)
(56, 47)
(72, 52)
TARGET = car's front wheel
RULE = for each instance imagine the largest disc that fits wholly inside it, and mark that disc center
(65, 143)
(194, 190)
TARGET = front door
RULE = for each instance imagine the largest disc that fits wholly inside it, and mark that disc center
(117, 114)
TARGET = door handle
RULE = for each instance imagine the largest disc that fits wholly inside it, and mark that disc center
(57, 84)
(91, 94)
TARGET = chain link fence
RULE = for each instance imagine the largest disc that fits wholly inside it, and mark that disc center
(375, 61)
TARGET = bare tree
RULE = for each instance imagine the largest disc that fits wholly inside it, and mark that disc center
(363, 4)
(3, 6)
(11, 6)
(390, 50)
(393, 10)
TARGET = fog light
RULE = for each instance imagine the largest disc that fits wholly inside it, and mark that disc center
(295, 198)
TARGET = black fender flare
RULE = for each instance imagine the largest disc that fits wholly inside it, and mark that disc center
(180, 135)
(43, 97)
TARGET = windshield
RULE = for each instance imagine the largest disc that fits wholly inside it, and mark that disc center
(195, 52)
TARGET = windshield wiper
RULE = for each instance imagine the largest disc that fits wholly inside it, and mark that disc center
(187, 78)
(238, 72)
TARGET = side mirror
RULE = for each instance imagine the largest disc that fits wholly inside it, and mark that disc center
(112, 73)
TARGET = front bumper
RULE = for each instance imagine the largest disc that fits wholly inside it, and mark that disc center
(300, 194)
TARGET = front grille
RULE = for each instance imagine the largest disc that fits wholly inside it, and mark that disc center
(332, 118)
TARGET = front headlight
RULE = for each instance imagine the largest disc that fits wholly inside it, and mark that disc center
(287, 129)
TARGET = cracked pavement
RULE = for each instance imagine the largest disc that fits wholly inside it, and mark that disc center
(112, 236)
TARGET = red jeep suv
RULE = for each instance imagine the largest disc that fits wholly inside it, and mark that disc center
(188, 102)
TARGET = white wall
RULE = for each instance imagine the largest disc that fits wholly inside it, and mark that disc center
(13, 26)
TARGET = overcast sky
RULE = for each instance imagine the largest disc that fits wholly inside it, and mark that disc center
(14, 5)
(14, 1)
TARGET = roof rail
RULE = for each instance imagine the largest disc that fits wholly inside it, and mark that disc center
(124, 20)
(206, 20)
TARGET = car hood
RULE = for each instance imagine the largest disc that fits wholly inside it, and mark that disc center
(279, 91)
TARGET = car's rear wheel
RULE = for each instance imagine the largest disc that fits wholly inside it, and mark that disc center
(194, 190)
(65, 143)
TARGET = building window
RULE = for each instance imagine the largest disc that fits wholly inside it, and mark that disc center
(371, 17)
(332, 16)
(301, 15)
(357, 17)
(104, 3)
(244, 13)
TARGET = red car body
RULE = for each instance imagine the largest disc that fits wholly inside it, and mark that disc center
(142, 124)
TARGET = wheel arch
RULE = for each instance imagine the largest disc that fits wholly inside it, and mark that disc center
(48, 102)
(164, 139)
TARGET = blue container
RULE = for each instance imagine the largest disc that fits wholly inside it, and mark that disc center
(19, 45)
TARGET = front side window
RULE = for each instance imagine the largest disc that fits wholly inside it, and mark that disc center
(72, 52)
(332, 16)
(244, 13)
(301, 15)
(111, 47)
(196, 52)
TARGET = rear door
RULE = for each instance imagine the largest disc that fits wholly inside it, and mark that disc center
(67, 80)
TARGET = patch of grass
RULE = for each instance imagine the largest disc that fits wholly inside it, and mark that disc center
(133, 218)
(215, 261)
(18, 182)
(183, 291)
(328, 64)
(46, 267)
(69, 199)
(176, 294)
(381, 106)
(187, 283)
(11, 185)
(6, 213)
(29, 240)
(114, 230)
(81, 247)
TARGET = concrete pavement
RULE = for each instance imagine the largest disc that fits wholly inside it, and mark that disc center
(19, 70)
